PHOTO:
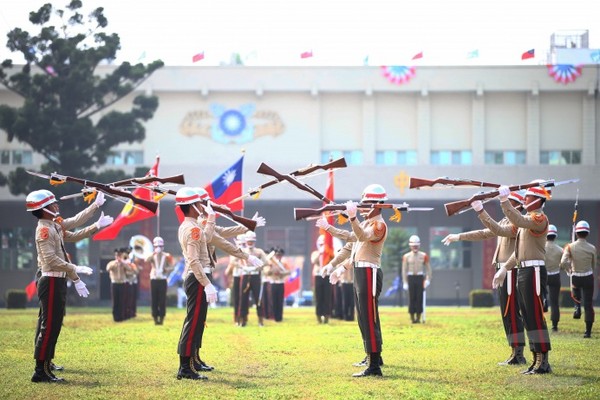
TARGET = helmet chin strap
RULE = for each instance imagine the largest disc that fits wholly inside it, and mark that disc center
(196, 208)
(54, 214)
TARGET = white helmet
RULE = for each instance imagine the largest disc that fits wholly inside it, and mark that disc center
(203, 193)
(518, 196)
(552, 231)
(414, 240)
(374, 192)
(158, 242)
(39, 199)
(539, 191)
(250, 236)
(186, 195)
(240, 239)
(582, 226)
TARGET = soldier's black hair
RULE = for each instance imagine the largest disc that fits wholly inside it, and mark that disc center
(39, 213)
(582, 235)
(185, 208)
(550, 237)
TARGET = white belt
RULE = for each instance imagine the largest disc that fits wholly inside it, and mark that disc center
(55, 274)
(252, 273)
(364, 264)
(532, 263)
(554, 273)
(415, 273)
(207, 270)
(499, 265)
(582, 273)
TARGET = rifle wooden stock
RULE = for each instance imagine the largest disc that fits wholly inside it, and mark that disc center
(266, 170)
(417, 183)
(177, 179)
(301, 213)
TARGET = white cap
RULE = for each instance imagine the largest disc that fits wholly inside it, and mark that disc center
(414, 240)
(582, 226)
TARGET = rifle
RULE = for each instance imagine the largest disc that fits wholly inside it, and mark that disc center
(57, 179)
(457, 206)
(418, 183)
(176, 179)
(246, 222)
(266, 170)
(573, 239)
(302, 213)
(339, 163)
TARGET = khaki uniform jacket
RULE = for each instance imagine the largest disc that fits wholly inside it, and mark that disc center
(119, 271)
(367, 237)
(49, 241)
(234, 268)
(415, 263)
(579, 256)
(504, 230)
(553, 256)
(219, 241)
(259, 253)
(278, 270)
(162, 263)
(194, 241)
(531, 236)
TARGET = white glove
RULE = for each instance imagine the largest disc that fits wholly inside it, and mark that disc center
(326, 270)
(322, 223)
(426, 283)
(255, 261)
(499, 278)
(81, 288)
(104, 220)
(211, 293)
(99, 199)
(503, 193)
(351, 209)
(405, 286)
(336, 275)
(477, 205)
(82, 269)
(208, 208)
(453, 237)
(260, 221)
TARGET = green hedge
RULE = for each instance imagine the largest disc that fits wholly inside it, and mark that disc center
(16, 298)
(564, 298)
(481, 298)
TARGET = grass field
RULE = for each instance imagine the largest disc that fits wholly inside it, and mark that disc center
(453, 356)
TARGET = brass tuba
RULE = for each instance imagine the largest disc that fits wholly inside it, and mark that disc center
(141, 247)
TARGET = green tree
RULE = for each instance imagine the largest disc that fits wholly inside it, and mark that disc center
(64, 115)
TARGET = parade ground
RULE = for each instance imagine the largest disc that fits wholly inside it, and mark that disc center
(454, 355)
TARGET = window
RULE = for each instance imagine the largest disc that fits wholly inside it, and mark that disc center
(353, 157)
(454, 157)
(17, 249)
(392, 157)
(126, 157)
(505, 157)
(5, 157)
(560, 157)
(16, 157)
(447, 257)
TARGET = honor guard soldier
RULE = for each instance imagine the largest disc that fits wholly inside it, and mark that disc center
(347, 281)
(323, 289)
(278, 271)
(234, 270)
(416, 275)
(118, 270)
(364, 247)
(553, 256)
(162, 264)
(529, 260)
(579, 258)
(506, 233)
(53, 261)
(251, 281)
(200, 292)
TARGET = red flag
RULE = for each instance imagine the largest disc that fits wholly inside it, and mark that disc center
(293, 283)
(417, 56)
(130, 214)
(327, 254)
(306, 54)
(30, 290)
(198, 57)
(528, 54)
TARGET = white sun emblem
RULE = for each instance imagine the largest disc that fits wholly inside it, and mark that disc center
(229, 177)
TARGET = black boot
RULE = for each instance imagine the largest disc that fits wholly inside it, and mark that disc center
(200, 365)
(42, 373)
(412, 318)
(155, 320)
(161, 319)
(516, 357)
(365, 362)
(418, 319)
(319, 319)
(373, 369)
(577, 312)
(532, 364)
(186, 370)
(54, 367)
(326, 319)
(588, 329)
(554, 326)
(542, 366)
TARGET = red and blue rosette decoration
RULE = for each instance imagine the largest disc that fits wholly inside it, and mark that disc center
(398, 74)
(564, 73)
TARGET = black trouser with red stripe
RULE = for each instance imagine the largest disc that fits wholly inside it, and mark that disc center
(348, 300)
(510, 312)
(323, 296)
(415, 294)
(367, 307)
(158, 294)
(266, 302)
(553, 293)
(118, 299)
(585, 286)
(249, 283)
(193, 325)
(532, 308)
(52, 293)
(277, 290)
(235, 296)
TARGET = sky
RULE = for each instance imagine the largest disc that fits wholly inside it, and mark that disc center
(338, 32)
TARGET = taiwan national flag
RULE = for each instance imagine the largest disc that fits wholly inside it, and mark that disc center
(228, 186)
(130, 212)
(293, 283)
(528, 54)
